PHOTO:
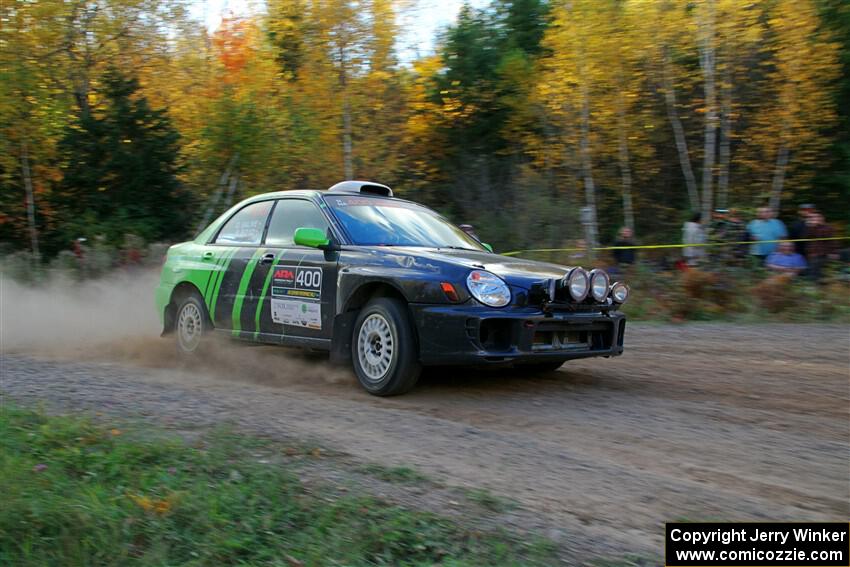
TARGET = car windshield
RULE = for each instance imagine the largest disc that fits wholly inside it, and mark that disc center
(373, 221)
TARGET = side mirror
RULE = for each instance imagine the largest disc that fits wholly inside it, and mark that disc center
(487, 246)
(312, 237)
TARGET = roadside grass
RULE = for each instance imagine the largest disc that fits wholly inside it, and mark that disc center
(399, 475)
(488, 500)
(78, 493)
(625, 561)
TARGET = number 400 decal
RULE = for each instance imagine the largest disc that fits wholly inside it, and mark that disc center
(309, 278)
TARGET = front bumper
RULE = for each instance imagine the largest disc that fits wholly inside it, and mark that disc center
(474, 334)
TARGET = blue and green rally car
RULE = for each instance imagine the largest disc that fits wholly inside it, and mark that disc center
(385, 283)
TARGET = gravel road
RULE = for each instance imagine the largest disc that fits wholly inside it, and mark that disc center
(694, 422)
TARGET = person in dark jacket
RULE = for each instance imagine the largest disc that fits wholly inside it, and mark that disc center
(820, 252)
(726, 227)
(625, 258)
(799, 228)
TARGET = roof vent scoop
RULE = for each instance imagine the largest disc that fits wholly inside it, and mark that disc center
(369, 187)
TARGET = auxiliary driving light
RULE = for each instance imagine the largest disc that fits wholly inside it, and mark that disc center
(619, 292)
(599, 284)
(579, 284)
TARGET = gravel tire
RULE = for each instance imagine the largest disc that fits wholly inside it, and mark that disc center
(192, 322)
(384, 348)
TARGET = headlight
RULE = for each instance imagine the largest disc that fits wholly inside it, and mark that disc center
(599, 282)
(579, 284)
(619, 292)
(488, 288)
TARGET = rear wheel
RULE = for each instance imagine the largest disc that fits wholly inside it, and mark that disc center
(191, 324)
(384, 348)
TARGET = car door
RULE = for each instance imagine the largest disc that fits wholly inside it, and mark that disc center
(234, 253)
(297, 299)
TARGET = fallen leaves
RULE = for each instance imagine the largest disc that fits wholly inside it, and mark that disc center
(158, 506)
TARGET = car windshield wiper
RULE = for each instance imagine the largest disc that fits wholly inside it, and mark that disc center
(458, 248)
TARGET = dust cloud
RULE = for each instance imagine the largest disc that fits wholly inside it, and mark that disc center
(114, 320)
(62, 314)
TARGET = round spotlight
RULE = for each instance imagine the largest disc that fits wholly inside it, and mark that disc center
(619, 292)
(578, 283)
(599, 285)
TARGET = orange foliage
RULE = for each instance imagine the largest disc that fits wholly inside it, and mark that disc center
(232, 41)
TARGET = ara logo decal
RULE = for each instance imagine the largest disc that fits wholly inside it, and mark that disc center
(284, 276)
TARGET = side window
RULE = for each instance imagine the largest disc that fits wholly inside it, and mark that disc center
(246, 226)
(290, 214)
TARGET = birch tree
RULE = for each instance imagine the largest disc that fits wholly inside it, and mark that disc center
(567, 80)
(708, 64)
(805, 65)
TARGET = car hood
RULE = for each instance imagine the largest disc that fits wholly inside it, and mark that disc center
(515, 271)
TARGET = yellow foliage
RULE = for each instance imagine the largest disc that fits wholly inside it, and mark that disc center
(158, 506)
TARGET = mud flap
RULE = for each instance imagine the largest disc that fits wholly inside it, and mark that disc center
(341, 341)
(168, 320)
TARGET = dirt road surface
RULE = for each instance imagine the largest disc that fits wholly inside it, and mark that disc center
(697, 422)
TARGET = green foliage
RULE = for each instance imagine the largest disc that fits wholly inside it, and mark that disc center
(120, 171)
(832, 185)
(75, 493)
(482, 91)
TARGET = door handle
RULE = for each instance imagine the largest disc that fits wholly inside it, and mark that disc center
(267, 258)
(208, 256)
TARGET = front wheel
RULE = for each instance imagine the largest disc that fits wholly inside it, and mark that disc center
(384, 348)
(191, 324)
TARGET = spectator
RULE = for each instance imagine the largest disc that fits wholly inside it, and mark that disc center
(737, 233)
(762, 231)
(798, 228)
(725, 227)
(785, 260)
(470, 230)
(625, 258)
(693, 233)
(819, 252)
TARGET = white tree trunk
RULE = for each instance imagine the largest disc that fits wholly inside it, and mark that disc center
(216, 196)
(587, 170)
(678, 131)
(625, 165)
(231, 191)
(725, 139)
(347, 162)
(708, 63)
(27, 178)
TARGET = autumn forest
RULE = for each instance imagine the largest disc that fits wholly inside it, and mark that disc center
(128, 117)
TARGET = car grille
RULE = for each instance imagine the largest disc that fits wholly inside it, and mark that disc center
(560, 340)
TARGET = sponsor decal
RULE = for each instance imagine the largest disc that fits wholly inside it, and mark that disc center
(296, 296)
(342, 202)
(297, 313)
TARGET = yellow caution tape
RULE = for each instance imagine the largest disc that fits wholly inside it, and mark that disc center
(656, 246)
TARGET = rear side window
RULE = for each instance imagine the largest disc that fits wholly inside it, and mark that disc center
(290, 214)
(246, 226)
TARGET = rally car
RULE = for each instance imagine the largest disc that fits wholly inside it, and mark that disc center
(383, 282)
